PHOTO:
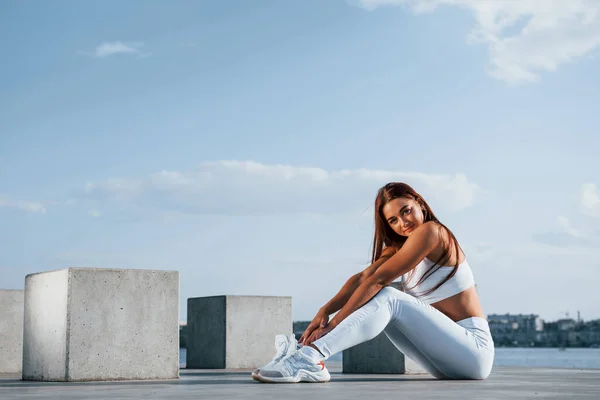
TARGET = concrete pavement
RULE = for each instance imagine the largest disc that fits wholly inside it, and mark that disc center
(504, 383)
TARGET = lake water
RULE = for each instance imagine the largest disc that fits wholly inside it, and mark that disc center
(541, 357)
(527, 357)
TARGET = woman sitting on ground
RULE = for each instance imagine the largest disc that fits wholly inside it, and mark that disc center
(436, 320)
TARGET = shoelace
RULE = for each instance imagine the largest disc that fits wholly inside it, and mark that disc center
(279, 355)
(284, 352)
(292, 362)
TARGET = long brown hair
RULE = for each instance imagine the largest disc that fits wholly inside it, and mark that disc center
(385, 236)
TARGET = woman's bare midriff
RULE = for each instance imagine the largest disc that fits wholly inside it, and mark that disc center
(462, 305)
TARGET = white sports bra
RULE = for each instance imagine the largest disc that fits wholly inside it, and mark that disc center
(462, 280)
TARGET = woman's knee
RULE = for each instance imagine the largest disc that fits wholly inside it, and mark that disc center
(389, 292)
(384, 295)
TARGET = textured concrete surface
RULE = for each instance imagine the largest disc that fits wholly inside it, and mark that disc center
(378, 356)
(45, 326)
(235, 331)
(11, 330)
(503, 383)
(101, 324)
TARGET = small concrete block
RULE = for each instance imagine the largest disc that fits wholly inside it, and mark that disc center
(235, 331)
(11, 330)
(378, 356)
(87, 324)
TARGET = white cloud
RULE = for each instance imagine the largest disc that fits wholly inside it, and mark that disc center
(247, 187)
(106, 49)
(583, 232)
(568, 228)
(95, 213)
(28, 206)
(589, 200)
(567, 235)
(549, 33)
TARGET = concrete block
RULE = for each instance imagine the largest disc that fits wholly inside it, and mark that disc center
(235, 331)
(85, 324)
(11, 330)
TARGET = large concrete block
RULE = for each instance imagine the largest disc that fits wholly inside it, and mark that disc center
(235, 331)
(11, 330)
(84, 324)
(378, 356)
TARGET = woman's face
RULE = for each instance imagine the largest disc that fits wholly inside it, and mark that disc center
(403, 215)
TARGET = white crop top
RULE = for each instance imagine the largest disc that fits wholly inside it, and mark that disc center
(462, 280)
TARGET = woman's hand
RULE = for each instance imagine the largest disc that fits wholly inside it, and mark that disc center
(317, 334)
(319, 321)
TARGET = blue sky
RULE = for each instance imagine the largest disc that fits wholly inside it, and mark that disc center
(242, 142)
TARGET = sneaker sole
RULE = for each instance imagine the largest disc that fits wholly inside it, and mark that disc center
(301, 376)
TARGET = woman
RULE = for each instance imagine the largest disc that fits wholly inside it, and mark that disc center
(436, 320)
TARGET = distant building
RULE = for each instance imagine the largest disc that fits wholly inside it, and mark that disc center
(530, 330)
(516, 329)
(583, 338)
(566, 324)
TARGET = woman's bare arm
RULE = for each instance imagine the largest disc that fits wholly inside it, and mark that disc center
(422, 242)
(338, 301)
(342, 297)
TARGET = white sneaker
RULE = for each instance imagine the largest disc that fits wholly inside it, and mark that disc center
(293, 369)
(284, 346)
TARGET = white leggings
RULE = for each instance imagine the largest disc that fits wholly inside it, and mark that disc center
(444, 348)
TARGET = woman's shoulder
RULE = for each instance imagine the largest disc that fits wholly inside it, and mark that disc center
(430, 230)
(434, 228)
